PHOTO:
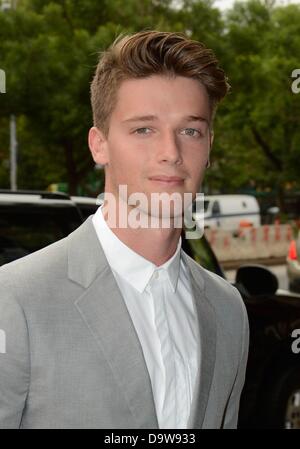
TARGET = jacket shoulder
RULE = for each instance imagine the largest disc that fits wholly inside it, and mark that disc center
(22, 277)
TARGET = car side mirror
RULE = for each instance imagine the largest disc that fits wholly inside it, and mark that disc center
(256, 280)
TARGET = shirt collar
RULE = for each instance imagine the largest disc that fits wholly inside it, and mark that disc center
(131, 266)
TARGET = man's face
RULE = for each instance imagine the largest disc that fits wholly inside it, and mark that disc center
(158, 129)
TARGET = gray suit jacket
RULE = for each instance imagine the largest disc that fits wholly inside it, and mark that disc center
(73, 359)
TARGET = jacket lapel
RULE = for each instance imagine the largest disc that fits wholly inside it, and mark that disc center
(207, 347)
(103, 310)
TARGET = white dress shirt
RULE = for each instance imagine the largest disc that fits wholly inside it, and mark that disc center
(160, 303)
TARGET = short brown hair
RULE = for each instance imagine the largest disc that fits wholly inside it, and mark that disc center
(153, 53)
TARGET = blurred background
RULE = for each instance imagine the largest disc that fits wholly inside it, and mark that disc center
(49, 50)
(49, 182)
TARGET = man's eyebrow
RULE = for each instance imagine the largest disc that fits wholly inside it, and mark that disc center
(141, 118)
(195, 118)
(148, 118)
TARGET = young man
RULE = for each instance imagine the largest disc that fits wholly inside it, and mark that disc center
(115, 326)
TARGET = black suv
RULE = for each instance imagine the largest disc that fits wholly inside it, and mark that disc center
(31, 220)
(271, 395)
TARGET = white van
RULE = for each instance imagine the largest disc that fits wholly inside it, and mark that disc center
(229, 212)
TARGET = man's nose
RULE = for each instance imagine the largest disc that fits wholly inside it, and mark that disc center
(169, 149)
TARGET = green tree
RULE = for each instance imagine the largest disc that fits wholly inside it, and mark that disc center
(50, 50)
(259, 128)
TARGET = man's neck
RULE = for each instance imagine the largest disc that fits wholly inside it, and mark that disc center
(157, 245)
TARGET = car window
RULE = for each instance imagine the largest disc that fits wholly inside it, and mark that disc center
(87, 209)
(206, 204)
(28, 229)
(216, 208)
(201, 252)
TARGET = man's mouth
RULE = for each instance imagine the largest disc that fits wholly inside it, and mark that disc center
(167, 180)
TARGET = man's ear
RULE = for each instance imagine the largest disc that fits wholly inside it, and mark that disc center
(98, 146)
(211, 139)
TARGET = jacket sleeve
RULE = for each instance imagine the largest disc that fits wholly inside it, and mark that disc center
(232, 410)
(14, 361)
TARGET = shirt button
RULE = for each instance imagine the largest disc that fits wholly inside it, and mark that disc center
(155, 275)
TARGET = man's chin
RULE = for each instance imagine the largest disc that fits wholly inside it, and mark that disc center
(161, 219)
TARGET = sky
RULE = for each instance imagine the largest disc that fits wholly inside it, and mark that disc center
(225, 4)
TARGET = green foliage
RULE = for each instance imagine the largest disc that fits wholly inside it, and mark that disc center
(258, 132)
(49, 50)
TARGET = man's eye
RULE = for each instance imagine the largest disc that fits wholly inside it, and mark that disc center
(191, 132)
(142, 131)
